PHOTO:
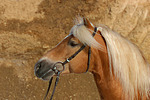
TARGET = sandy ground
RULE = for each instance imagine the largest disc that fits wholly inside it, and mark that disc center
(29, 28)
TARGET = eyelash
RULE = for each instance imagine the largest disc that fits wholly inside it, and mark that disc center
(72, 43)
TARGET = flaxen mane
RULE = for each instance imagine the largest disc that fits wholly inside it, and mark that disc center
(129, 66)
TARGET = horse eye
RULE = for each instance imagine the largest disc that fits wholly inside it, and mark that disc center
(73, 43)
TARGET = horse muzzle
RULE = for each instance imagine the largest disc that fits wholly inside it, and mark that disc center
(44, 69)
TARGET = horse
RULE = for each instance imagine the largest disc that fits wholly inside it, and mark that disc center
(119, 68)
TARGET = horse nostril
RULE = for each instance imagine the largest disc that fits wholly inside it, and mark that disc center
(37, 66)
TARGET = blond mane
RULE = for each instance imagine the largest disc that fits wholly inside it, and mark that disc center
(126, 60)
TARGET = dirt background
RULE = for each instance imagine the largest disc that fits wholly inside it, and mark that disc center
(29, 28)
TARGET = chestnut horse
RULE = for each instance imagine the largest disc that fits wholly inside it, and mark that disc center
(119, 68)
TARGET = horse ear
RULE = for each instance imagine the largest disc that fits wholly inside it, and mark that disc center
(87, 23)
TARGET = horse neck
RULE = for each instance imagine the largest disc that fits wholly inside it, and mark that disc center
(105, 81)
(108, 85)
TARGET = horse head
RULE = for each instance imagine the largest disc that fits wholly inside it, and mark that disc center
(80, 34)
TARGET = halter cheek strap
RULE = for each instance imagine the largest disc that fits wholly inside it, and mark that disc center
(89, 52)
(65, 62)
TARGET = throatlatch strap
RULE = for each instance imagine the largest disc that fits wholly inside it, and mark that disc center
(89, 52)
(89, 56)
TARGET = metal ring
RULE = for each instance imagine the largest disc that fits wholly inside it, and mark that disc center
(55, 67)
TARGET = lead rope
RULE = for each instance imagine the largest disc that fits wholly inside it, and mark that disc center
(56, 82)
(50, 82)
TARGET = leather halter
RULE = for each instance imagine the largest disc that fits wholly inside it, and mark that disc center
(57, 72)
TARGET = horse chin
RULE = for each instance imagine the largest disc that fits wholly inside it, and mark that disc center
(47, 76)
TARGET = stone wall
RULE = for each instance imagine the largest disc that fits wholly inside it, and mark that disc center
(28, 28)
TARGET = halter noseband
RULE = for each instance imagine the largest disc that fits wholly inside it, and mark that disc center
(57, 72)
